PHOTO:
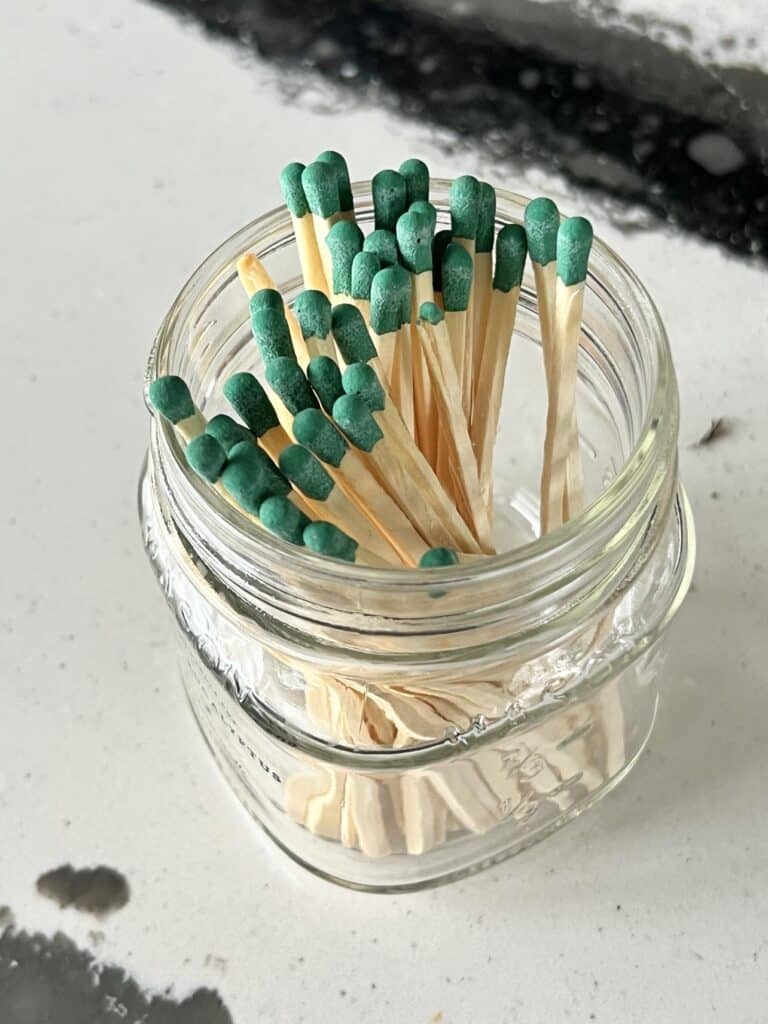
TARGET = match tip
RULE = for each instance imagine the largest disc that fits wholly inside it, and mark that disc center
(457, 277)
(292, 189)
(511, 249)
(327, 539)
(306, 472)
(339, 165)
(390, 198)
(414, 238)
(171, 398)
(440, 243)
(416, 174)
(266, 298)
(250, 477)
(486, 217)
(321, 188)
(249, 399)
(281, 517)
(313, 311)
(206, 457)
(438, 558)
(574, 243)
(465, 206)
(426, 209)
(431, 312)
(313, 429)
(361, 379)
(325, 377)
(355, 419)
(287, 379)
(345, 241)
(227, 432)
(351, 334)
(365, 266)
(390, 299)
(384, 245)
(271, 333)
(542, 220)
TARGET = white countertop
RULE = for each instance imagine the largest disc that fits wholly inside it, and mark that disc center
(136, 146)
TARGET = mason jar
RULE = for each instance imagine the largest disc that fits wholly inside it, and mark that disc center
(393, 729)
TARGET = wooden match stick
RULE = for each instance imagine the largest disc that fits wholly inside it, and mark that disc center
(255, 280)
(321, 187)
(464, 201)
(390, 198)
(457, 291)
(574, 242)
(344, 241)
(483, 272)
(303, 227)
(313, 311)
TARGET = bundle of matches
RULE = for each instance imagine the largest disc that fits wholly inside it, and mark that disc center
(370, 439)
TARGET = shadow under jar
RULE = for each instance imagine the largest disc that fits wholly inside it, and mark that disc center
(390, 729)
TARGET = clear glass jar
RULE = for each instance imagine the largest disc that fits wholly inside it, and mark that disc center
(391, 731)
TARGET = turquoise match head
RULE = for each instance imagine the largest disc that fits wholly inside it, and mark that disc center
(457, 278)
(351, 334)
(281, 517)
(486, 218)
(250, 401)
(287, 380)
(511, 248)
(344, 241)
(270, 331)
(250, 477)
(416, 174)
(355, 419)
(542, 220)
(266, 298)
(305, 472)
(438, 558)
(339, 165)
(313, 311)
(465, 206)
(293, 190)
(431, 312)
(390, 198)
(426, 209)
(383, 244)
(206, 456)
(574, 243)
(227, 432)
(321, 187)
(414, 237)
(361, 379)
(365, 266)
(440, 243)
(327, 539)
(171, 398)
(324, 375)
(315, 431)
(390, 299)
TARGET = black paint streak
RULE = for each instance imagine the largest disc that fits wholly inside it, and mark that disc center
(96, 891)
(718, 429)
(690, 154)
(50, 981)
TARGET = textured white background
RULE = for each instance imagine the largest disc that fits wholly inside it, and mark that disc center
(132, 147)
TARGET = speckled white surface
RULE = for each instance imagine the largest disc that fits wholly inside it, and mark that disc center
(136, 147)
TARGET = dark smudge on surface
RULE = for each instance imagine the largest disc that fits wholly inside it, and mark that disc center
(98, 891)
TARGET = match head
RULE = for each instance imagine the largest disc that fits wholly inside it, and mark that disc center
(383, 244)
(281, 517)
(271, 333)
(390, 198)
(351, 334)
(414, 238)
(457, 278)
(365, 266)
(416, 174)
(339, 165)
(438, 558)
(227, 432)
(250, 477)
(327, 539)
(440, 243)
(426, 209)
(250, 401)
(305, 472)
(287, 380)
(171, 398)
(266, 298)
(324, 375)
(574, 243)
(542, 220)
(431, 312)
(390, 299)
(292, 189)
(321, 187)
(206, 456)
(355, 419)
(465, 206)
(344, 241)
(361, 379)
(313, 311)
(486, 218)
(511, 249)
(315, 431)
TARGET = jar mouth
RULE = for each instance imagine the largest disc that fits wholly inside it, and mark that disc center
(637, 483)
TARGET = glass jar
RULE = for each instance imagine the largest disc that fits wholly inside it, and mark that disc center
(391, 729)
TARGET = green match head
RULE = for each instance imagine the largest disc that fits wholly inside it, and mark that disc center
(431, 312)
(315, 431)
(305, 472)
(287, 380)
(361, 379)
(227, 432)
(171, 398)
(438, 558)
(250, 476)
(339, 165)
(383, 244)
(344, 241)
(266, 298)
(574, 242)
(206, 456)
(465, 206)
(390, 299)
(541, 223)
(327, 539)
(390, 198)
(457, 278)
(416, 174)
(321, 187)
(250, 401)
(293, 190)
(486, 218)
(365, 266)
(281, 517)
(355, 419)
(313, 311)
(351, 334)
(415, 240)
(440, 243)
(511, 248)
(426, 209)
(270, 330)
(324, 375)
